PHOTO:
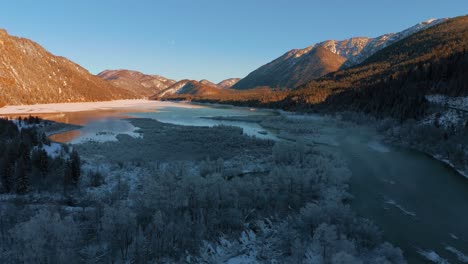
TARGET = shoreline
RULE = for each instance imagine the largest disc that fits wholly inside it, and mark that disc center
(56, 128)
(90, 106)
(128, 104)
(448, 163)
(435, 157)
(254, 119)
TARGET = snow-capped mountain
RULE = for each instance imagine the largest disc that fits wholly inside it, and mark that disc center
(372, 45)
(294, 67)
(137, 82)
(29, 74)
(228, 83)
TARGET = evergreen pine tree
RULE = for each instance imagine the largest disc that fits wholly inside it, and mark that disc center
(43, 162)
(75, 169)
(67, 181)
(21, 176)
(7, 175)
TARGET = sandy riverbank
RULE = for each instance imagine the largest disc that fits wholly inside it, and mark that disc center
(90, 106)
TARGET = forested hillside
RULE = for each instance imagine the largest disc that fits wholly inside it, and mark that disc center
(394, 81)
(298, 66)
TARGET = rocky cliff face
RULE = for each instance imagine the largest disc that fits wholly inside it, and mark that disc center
(29, 74)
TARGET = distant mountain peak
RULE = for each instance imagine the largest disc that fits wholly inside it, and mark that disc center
(228, 83)
(189, 87)
(429, 21)
(206, 82)
(135, 81)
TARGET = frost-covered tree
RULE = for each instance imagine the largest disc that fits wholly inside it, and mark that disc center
(46, 238)
(119, 229)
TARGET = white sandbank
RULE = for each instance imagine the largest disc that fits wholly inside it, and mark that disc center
(90, 106)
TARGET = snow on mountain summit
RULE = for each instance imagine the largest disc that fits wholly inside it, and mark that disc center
(357, 49)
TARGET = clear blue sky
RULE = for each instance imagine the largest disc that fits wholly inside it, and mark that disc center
(204, 39)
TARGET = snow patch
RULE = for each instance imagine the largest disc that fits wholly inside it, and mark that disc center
(460, 255)
(401, 208)
(54, 150)
(446, 119)
(379, 147)
(23, 125)
(432, 256)
(242, 260)
(458, 102)
(429, 21)
(389, 181)
(446, 161)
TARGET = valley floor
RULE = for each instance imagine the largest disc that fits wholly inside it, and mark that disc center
(182, 194)
(213, 195)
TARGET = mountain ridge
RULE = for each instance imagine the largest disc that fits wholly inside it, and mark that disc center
(136, 82)
(29, 74)
(190, 87)
(228, 83)
(279, 73)
(394, 81)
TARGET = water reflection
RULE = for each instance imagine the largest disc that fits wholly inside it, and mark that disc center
(106, 124)
(64, 137)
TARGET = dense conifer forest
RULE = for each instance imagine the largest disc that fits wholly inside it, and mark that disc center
(25, 163)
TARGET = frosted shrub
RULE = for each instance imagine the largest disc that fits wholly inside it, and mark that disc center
(118, 228)
(284, 153)
(208, 166)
